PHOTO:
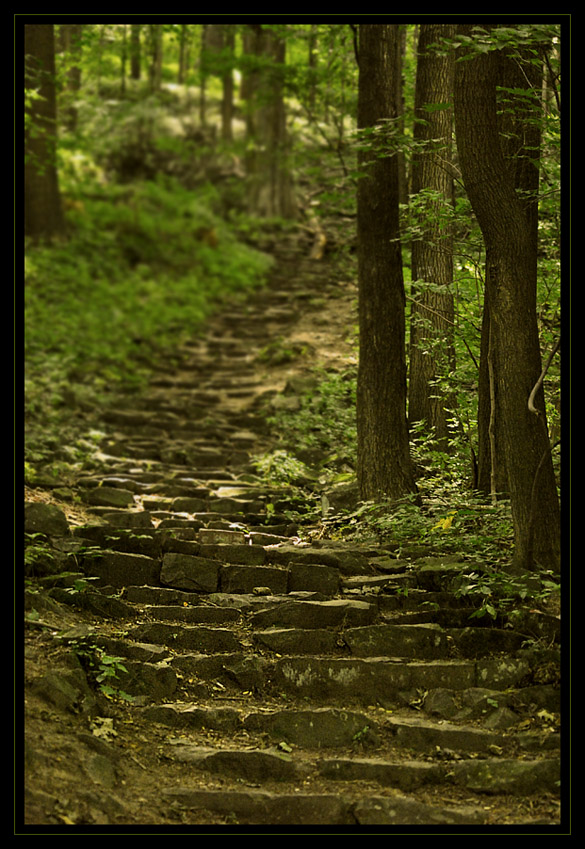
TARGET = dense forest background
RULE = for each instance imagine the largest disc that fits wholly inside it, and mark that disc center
(163, 162)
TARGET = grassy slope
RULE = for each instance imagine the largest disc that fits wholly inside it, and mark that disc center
(143, 267)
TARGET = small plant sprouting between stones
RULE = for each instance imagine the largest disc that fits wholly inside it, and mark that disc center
(361, 736)
(39, 557)
(102, 669)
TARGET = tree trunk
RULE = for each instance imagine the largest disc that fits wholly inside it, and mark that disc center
(227, 102)
(43, 213)
(71, 44)
(123, 61)
(312, 61)
(183, 38)
(156, 47)
(384, 465)
(507, 225)
(203, 75)
(271, 187)
(492, 477)
(135, 51)
(519, 128)
(399, 89)
(432, 353)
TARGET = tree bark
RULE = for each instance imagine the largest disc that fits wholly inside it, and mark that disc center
(43, 213)
(511, 269)
(183, 49)
(156, 48)
(271, 186)
(384, 464)
(135, 51)
(519, 129)
(227, 102)
(432, 353)
(71, 44)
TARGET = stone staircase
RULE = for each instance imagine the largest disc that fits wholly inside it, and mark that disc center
(285, 683)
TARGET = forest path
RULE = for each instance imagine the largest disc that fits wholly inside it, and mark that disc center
(275, 684)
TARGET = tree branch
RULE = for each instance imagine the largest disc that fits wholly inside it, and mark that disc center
(540, 380)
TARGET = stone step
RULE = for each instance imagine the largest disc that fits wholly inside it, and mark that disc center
(321, 729)
(487, 775)
(256, 807)
(291, 683)
(292, 666)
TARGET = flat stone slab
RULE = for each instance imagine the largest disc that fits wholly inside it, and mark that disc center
(244, 555)
(489, 776)
(316, 614)
(244, 579)
(214, 536)
(366, 681)
(45, 518)
(236, 506)
(188, 572)
(258, 807)
(241, 764)
(226, 720)
(188, 504)
(313, 578)
(501, 672)
(261, 538)
(108, 496)
(196, 614)
(121, 569)
(402, 810)
(285, 554)
(424, 735)
(315, 729)
(515, 777)
(190, 638)
(412, 641)
(96, 603)
(401, 775)
(297, 641)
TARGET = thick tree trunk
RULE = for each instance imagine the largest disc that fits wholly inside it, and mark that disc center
(43, 214)
(432, 354)
(511, 267)
(384, 465)
(519, 128)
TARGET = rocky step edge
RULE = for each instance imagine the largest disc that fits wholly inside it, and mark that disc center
(348, 679)
(301, 600)
(410, 770)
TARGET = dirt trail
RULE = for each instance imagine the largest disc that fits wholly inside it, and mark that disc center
(274, 684)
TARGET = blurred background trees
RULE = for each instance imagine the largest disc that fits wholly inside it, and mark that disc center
(150, 146)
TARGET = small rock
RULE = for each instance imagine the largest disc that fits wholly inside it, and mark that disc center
(501, 719)
(47, 519)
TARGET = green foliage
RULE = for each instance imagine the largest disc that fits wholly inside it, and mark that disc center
(324, 424)
(39, 557)
(101, 668)
(498, 592)
(143, 268)
(153, 248)
(281, 468)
